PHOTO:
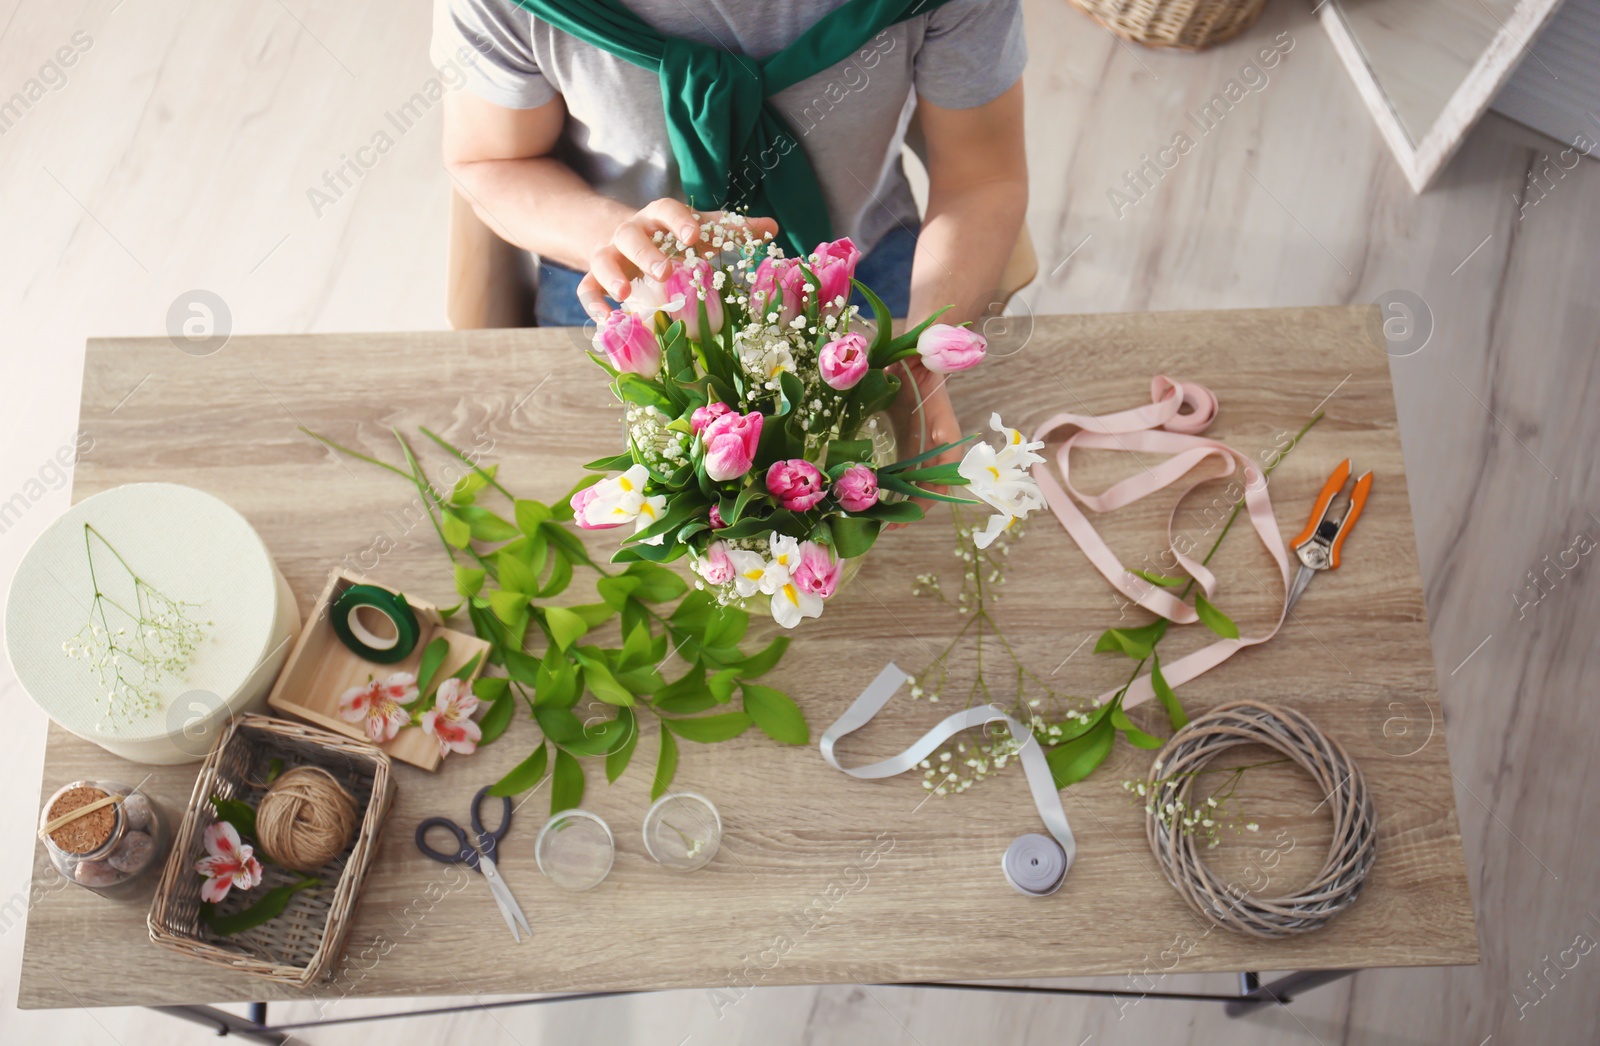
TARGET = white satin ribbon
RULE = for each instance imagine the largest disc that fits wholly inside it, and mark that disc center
(877, 694)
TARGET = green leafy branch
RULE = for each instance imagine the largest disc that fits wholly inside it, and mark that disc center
(508, 566)
(1075, 758)
(1080, 738)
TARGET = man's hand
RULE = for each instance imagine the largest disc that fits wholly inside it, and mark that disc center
(633, 251)
(923, 418)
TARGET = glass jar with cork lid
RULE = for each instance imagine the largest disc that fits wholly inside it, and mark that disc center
(102, 835)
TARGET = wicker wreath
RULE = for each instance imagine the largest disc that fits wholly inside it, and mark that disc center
(1355, 821)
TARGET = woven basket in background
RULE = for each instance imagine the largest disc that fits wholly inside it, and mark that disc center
(1186, 24)
(300, 946)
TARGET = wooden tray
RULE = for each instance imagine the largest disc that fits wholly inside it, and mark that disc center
(320, 668)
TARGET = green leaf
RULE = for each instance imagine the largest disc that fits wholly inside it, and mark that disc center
(515, 575)
(708, 730)
(509, 606)
(656, 584)
(616, 590)
(566, 627)
(274, 769)
(456, 532)
(524, 775)
(636, 648)
(467, 486)
(556, 682)
(762, 663)
(1078, 758)
(467, 669)
(616, 463)
(666, 764)
(521, 667)
(726, 627)
(1169, 700)
(1136, 737)
(776, 714)
(1215, 619)
(529, 514)
(602, 684)
(433, 656)
(485, 525)
(489, 688)
(566, 783)
(1157, 579)
(848, 450)
(617, 759)
(687, 702)
(560, 574)
(720, 685)
(594, 614)
(694, 611)
(1137, 643)
(271, 905)
(559, 724)
(469, 580)
(498, 717)
(853, 536)
(237, 813)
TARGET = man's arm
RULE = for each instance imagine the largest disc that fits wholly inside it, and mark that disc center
(977, 196)
(499, 159)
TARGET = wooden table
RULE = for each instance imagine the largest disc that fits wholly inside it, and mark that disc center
(790, 899)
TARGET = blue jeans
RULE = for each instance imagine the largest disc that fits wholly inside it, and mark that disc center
(887, 270)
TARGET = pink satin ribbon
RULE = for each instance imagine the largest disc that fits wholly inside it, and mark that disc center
(1161, 427)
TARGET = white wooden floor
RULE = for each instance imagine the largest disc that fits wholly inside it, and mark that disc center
(177, 152)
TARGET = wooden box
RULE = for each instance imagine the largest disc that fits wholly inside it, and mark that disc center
(321, 668)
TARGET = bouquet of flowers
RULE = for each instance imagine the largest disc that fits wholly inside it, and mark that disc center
(753, 406)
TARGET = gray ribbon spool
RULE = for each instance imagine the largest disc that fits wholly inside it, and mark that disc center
(1035, 865)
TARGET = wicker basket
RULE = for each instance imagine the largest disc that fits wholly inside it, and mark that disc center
(298, 947)
(1189, 25)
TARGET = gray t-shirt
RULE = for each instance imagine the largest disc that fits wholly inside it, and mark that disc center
(850, 119)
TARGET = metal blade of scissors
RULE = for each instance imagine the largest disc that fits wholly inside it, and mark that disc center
(1301, 580)
(509, 909)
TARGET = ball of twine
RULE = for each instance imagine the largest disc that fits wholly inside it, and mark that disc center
(306, 819)
(1355, 821)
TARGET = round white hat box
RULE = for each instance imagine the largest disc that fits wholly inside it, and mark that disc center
(186, 546)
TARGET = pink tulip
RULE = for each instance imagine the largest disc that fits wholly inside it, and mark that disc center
(834, 263)
(856, 488)
(715, 566)
(715, 516)
(629, 344)
(580, 510)
(731, 442)
(704, 416)
(947, 349)
(796, 484)
(774, 275)
(843, 361)
(689, 281)
(818, 572)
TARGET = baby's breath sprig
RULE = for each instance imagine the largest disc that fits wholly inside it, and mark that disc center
(1052, 715)
(1219, 811)
(129, 665)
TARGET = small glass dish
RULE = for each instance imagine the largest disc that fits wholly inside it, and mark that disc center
(575, 850)
(682, 831)
(111, 846)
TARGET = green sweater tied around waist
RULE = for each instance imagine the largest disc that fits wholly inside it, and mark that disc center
(734, 149)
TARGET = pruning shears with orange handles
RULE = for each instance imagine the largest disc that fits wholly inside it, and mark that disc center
(1319, 544)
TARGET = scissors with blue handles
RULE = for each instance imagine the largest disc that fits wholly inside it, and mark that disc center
(478, 850)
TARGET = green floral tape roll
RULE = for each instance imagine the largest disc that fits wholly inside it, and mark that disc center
(361, 640)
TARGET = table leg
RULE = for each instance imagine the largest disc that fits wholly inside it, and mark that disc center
(225, 1023)
(1252, 992)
